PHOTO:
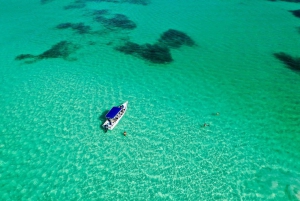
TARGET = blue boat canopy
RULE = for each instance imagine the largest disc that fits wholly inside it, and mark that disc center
(113, 112)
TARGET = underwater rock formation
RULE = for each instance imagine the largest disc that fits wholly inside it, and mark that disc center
(292, 1)
(100, 12)
(82, 3)
(296, 13)
(158, 52)
(140, 2)
(118, 21)
(290, 61)
(153, 53)
(45, 1)
(175, 39)
(80, 28)
(62, 50)
(24, 56)
(100, 15)
(129, 48)
(75, 5)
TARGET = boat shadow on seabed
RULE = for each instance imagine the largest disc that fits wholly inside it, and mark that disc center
(102, 119)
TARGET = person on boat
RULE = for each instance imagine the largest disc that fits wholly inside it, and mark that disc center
(124, 133)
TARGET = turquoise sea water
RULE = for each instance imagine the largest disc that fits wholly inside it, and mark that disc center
(51, 143)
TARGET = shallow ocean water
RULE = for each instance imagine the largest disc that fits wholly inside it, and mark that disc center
(53, 148)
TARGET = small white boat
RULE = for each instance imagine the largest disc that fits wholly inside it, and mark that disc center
(114, 116)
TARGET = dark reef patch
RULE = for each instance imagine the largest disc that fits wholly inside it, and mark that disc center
(175, 39)
(45, 1)
(80, 28)
(24, 56)
(292, 1)
(158, 52)
(130, 48)
(296, 13)
(101, 12)
(118, 21)
(75, 5)
(153, 53)
(138, 2)
(100, 15)
(62, 50)
(290, 61)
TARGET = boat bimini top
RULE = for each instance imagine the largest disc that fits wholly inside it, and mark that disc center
(113, 112)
